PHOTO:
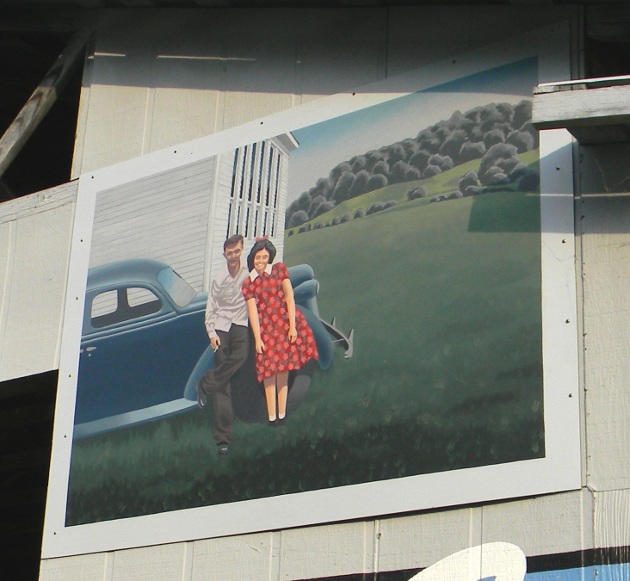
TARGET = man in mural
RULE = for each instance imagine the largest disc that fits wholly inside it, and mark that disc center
(226, 323)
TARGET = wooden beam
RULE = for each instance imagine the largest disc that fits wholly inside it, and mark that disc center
(42, 99)
(582, 107)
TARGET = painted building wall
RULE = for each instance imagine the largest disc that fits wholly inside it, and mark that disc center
(195, 208)
(196, 73)
(186, 223)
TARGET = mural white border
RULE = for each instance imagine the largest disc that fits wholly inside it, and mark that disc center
(558, 471)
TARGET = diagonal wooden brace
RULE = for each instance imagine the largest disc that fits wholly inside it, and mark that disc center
(42, 99)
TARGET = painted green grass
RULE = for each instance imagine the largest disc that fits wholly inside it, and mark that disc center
(445, 303)
(433, 304)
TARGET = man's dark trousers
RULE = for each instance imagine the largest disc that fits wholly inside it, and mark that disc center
(228, 359)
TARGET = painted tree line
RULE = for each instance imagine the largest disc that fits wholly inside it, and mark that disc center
(495, 134)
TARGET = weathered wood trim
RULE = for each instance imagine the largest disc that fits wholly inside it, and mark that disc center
(42, 99)
(582, 107)
(39, 202)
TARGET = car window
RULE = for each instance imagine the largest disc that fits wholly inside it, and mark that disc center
(178, 289)
(123, 304)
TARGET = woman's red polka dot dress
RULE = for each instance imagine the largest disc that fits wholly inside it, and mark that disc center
(280, 354)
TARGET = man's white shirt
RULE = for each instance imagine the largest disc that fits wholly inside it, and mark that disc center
(226, 304)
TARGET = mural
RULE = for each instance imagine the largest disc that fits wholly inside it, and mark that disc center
(428, 245)
(393, 298)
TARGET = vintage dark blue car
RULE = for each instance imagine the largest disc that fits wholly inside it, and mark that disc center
(144, 347)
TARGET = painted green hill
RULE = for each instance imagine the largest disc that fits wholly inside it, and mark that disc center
(441, 183)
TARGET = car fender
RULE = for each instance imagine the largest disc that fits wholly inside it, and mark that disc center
(300, 273)
(322, 338)
(206, 362)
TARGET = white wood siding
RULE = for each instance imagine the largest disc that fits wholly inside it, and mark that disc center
(398, 543)
(176, 204)
(35, 235)
(158, 78)
(219, 214)
(603, 215)
(279, 212)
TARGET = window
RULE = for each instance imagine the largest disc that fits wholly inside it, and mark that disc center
(255, 189)
(178, 289)
(123, 304)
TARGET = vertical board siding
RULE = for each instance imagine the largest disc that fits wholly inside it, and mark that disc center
(219, 231)
(191, 113)
(121, 73)
(7, 257)
(115, 124)
(145, 564)
(381, 545)
(35, 236)
(243, 557)
(547, 525)
(314, 552)
(38, 279)
(79, 568)
(196, 72)
(604, 212)
(237, 107)
(410, 542)
(612, 520)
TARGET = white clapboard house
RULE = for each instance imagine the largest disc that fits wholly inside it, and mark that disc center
(241, 191)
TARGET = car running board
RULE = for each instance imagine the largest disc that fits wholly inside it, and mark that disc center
(132, 418)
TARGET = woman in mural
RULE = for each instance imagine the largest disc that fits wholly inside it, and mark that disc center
(283, 339)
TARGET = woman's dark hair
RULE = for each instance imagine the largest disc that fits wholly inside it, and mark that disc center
(265, 244)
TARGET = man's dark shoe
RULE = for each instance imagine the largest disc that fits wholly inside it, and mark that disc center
(201, 397)
(223, 448)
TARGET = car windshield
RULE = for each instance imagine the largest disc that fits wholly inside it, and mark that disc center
(179, 290)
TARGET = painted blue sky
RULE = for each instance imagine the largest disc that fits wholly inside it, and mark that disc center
(325, 144)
